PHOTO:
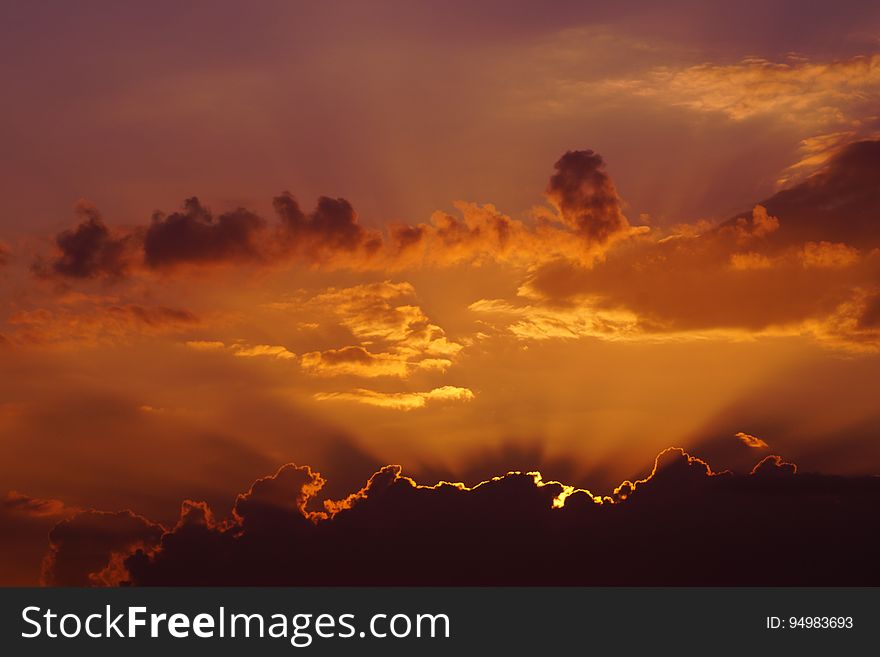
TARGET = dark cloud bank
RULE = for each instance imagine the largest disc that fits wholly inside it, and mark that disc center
(589, 213)
(681, 525)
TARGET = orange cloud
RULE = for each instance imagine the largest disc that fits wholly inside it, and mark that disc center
(801, 91)
(242, 350)
(401, 401)
(355, 361)
(19, 503)
(749, 440)
(97, 323)
(382, 316)
(804, 262)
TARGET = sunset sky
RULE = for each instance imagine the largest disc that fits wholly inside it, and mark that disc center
(465, 238)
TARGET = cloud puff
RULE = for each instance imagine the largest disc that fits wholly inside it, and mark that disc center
(749, 440)
(87, 251)
(585, 196)
(402, 401)
(683, 524)
(243, 350)
(331, 231)
(194, 236)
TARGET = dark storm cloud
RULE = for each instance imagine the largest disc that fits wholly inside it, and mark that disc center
(82, 547)
(331, 228)
(683, 524)
(25, 522)
(87, 251)
(194, 236)
(585, 195)
(838, 204)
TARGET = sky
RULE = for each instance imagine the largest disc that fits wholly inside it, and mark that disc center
(462, 238)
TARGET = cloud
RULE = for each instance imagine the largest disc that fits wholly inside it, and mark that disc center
(402, 401)
(92, 323)
(81, 548)
(268, 350)
(540, 322)
(588, 218)
(355, 361)
(194, 236)
(87, 251)
(205, 345)
(773, 466)
(585, 196)
(682, 524)
(805, 261)
(798, 90)
(25, 523)
(17, 503)
(749, 440)
(4, 254)
(837, 204)
(331, 232)
(395, 336)
(242, 350)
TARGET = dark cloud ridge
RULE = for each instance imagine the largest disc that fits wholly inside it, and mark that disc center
(682, 525)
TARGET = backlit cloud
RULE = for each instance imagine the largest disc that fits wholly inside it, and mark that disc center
(749, 440)
(397, 531)
(797, 90)
(395, 336)
(588, 217)
(803, 262)
(401, 401)
(87, 251)
(194, 236)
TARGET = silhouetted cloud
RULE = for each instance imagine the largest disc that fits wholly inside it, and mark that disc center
(837, 204)
(194, 236)
(585, 196)
(325, 234)
(82, 547)
(774, 466)
(87, 251)
(588, 219)
(683, 524)
(25, 522)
